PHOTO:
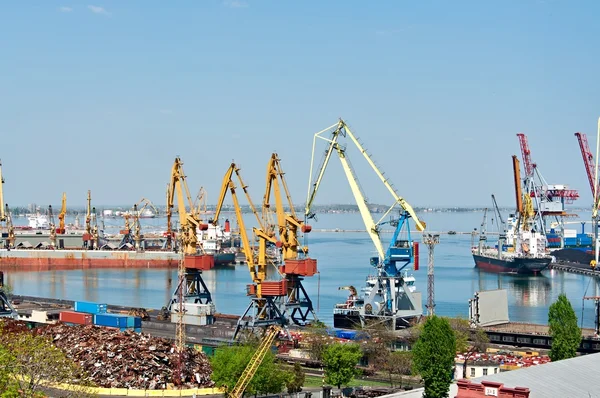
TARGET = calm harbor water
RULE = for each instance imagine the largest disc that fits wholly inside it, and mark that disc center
(343, 259)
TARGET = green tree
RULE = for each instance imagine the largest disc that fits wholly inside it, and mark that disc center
(229, 363)
(398, 363)
(566, 335)
(339, 361)
(468, 340)
(377, 345)
(29, 362)
(433, 356)
(296, 380)
(316, 340)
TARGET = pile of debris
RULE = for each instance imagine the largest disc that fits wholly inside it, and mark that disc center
(114, 359)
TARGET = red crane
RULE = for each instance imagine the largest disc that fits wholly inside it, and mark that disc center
(550, 190)
(588, 160)
(526, 153)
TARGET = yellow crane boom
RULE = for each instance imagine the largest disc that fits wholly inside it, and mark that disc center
(288, 224)
(62, 214)
(257, 267)
(255, 361)
(88, 214)
(189, 222)
(400, 200)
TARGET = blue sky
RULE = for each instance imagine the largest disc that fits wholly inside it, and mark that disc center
(104, 95)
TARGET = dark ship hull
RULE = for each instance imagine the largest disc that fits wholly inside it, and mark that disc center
(518, 265)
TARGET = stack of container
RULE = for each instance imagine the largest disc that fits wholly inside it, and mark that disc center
(194, 314)
(87, 313)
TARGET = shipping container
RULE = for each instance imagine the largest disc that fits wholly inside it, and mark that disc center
(78, 318)
(134, 322)
(91, 308)
(193, 319)
(197, 309)
(111, 320)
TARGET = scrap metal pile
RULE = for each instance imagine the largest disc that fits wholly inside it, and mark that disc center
(115, 359)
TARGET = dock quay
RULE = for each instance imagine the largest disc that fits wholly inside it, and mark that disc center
(576, 268)
(513, 334)
(529, 335)
(30, 309)
(385, 231)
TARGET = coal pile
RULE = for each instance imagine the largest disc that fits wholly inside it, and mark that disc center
(114, 359)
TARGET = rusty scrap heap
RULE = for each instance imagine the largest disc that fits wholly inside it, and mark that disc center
(114, 359)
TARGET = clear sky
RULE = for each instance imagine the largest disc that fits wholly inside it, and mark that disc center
(104, 95)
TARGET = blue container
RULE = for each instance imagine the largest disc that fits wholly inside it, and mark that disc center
(347, 334)
(91, 308)
(570, 241)
(134, 322)
(111, 320)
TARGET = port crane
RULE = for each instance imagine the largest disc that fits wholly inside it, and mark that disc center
(591, 170)
(265, 295)
(194, 288)
(201, 201)
(91, 236)
(5, 217)
(52, 227)
(62, 214)
(388, 296)
(548, 200)
(297, 265)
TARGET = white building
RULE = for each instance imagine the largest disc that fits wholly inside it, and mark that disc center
(476, 369)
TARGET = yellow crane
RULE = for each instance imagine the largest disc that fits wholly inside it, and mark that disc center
(255, 361)
(296, 263)
(191, 287)
(62, 214)
(201, 201)
(257, 265)
(188, 221)
(264, 308)
(288, 224)
(90, 237)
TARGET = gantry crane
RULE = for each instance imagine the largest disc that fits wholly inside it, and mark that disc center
(388, 294)
(201, 201)
(135, 239)
(265, 295)
(195, 290)
(296, 263)
(52, 227)
(5, 217)
(547, 199)
(62, 214)
(592, 173)
(91, 236)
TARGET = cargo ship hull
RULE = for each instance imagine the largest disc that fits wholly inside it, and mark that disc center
(44, 260)
(224, 258)
(518, 265)
(352, 320)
